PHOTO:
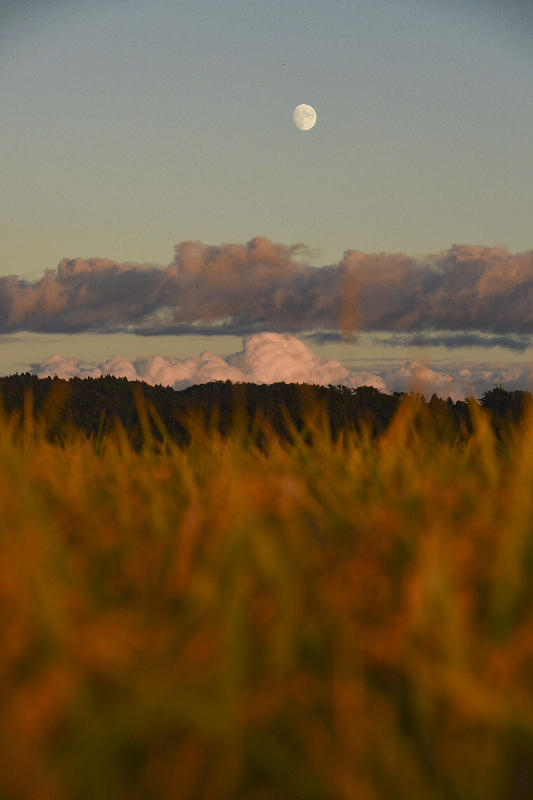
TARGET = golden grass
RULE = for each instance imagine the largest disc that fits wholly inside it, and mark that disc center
(347, 619)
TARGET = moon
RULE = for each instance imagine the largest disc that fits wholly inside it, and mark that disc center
(304, 117)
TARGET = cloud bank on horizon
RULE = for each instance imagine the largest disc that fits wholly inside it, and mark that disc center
(466, 295)
(273, 357)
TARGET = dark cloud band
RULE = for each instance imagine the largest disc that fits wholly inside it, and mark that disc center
(467, 295)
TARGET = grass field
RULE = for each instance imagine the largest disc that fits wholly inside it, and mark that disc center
(346, 619)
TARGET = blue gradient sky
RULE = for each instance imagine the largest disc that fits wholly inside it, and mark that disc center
(130, 125)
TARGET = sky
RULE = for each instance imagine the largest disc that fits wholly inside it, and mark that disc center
(157, 200)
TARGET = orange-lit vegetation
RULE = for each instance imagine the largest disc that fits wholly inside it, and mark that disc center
(347, 619)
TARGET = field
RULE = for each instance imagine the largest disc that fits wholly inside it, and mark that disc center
(305, 620)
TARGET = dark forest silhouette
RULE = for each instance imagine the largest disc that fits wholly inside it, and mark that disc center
(92, 405)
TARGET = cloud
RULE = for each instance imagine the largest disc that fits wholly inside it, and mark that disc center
(457, 339)
(465, 288)
(265, 358)
(274, 357)
(485, 294)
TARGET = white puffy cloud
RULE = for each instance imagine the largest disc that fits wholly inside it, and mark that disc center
(67, 368)
(265, 358)
(458, 382)
(274, 357)
(417, 377)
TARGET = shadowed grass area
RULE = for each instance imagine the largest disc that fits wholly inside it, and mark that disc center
(341, 619)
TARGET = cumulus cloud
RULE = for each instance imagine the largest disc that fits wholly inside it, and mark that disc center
(265, 358)
(273, 357)
(483, 293)
(466, 288)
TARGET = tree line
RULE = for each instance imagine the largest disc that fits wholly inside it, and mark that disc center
(93, 405)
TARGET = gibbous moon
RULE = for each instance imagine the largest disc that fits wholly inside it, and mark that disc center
(304, 117)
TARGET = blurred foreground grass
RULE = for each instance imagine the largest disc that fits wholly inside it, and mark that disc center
(348, 619)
